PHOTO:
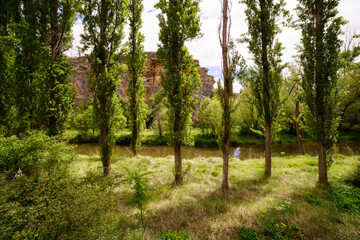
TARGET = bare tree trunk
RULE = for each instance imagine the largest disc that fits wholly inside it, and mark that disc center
(266, 86)
(106, 148)
(177, 151)
(227, 88)
(297, 125)
(268, 149)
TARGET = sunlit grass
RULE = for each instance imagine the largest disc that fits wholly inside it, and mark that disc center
(199, 206)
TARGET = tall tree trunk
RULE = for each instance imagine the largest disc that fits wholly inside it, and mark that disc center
(322, 162)
(226, 101)
(106, 147)
(134, 99)
(320, 92)
(266, 86)
(268, 149)
(105, 111)
(297, 125)
(134, 137)
(177, 151)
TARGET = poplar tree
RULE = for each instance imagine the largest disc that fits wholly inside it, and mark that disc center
(230, 61)
(7, 57)
(320, 48)
(103, 24)
(29, 57)
(179, 21)
(55, 98)
(136, 65)
(262, 17)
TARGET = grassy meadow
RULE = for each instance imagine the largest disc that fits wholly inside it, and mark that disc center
(288, 205)
(47, 191)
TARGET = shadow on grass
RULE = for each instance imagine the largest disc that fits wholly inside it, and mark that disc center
(198, 213)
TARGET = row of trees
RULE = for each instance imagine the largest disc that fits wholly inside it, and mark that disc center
(320, 64)
(35, 91)
(35, 88)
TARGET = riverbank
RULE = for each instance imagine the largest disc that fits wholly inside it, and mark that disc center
(151, 138)
(288, 205)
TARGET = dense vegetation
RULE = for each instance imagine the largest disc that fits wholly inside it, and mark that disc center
(49, 192)
(73, 200)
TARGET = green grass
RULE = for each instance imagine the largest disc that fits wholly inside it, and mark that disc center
(289, 202)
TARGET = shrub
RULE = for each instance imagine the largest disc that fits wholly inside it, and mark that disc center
(140, 185)
(32, 153)
(346, 198)
(249, 234)
(215, 173)
(47, 208)
(169, 235)
(275, 229)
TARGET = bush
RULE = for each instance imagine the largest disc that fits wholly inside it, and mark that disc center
(346, 198)
(56, 206)
(249, 234)
(169, 235)
(279, 230)
(32, 153)
(141, 195)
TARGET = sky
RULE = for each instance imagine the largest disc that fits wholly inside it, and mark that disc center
(207, 48)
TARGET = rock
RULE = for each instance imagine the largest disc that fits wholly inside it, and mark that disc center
(151, 79)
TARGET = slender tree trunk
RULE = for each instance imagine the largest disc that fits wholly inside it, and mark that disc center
(105, 111)
(322, 163)
(268, 149)
(135, 133)
(297, 125)
(319, 101)
(266, 86)
(106, 148)
(134, 99)
(226, 101)
(177, 151)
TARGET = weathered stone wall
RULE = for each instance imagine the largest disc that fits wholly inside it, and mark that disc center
(151, 78)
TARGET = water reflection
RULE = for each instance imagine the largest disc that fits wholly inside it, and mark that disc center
(247, 152)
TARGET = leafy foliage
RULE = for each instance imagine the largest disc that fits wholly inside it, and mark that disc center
(265, 80)
(179, 21)
(32, 154)
(104, 22)
(140, 185)
(55, 95)
(169, 235)
(346, 198)
(136, 65)
(320, 74)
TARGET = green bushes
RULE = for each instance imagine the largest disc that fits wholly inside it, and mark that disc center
(141, 195)
(56, 206)
(346, 198)
(274, 229)
(169, 235)
(32, 153)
